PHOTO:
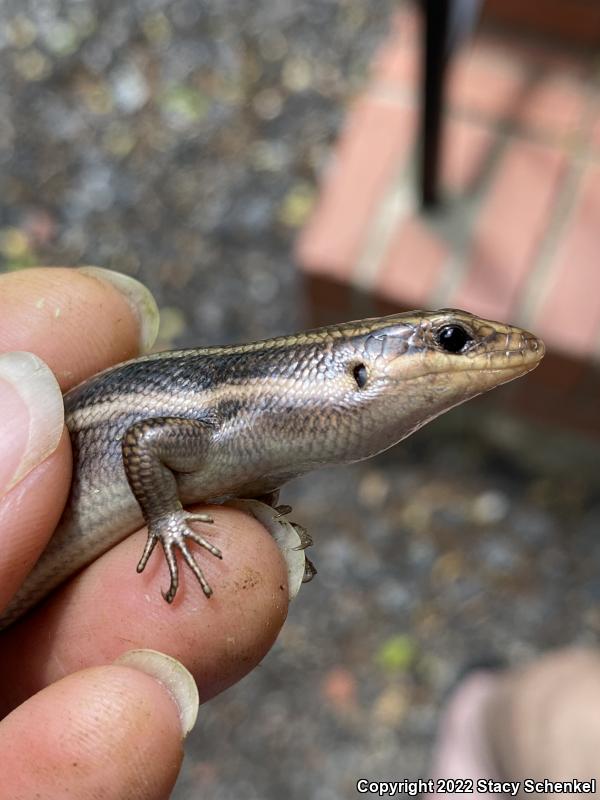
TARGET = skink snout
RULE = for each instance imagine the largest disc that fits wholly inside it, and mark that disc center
(529, 346)
(535, 345)
(508, 348)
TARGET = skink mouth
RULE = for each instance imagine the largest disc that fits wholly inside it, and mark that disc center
(510, 350)
(501, 355)
(507, 354)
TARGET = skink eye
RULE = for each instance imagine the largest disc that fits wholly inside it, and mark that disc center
(453, 338)
(360, 375)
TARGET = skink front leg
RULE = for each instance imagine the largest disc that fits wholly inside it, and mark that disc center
(153, 450)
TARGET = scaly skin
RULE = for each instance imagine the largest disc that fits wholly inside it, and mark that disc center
(211, 424)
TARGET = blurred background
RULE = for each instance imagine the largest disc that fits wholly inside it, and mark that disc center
(264, 166)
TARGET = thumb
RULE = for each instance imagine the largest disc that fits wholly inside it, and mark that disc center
(113, 731)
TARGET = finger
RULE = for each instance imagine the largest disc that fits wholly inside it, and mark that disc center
(31, 416)
(108, 732)
(109, 608)
(29, 514)
(71, 318)
(35, 464)
(77, 321)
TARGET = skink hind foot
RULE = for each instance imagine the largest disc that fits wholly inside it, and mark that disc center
(172, 531)
(305, 537)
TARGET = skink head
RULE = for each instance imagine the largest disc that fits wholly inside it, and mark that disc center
(406, 369)
(448, 342)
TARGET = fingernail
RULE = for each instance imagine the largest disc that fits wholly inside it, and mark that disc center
(139, 298)
(31, 416)
(174, 677)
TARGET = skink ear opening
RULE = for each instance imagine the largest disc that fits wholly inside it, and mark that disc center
(360, 374)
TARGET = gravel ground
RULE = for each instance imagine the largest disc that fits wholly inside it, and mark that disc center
(181, 142)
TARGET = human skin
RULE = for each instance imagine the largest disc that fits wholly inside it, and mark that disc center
(57, 675)
(537, 721)
(543, 720)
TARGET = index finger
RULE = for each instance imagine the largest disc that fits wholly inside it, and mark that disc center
(78, 321)
(108, 608)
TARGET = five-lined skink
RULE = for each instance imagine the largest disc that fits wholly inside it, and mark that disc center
(206, 425)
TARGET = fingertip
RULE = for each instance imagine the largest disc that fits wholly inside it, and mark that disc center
(173, 676)
(139, 298)
(31, 415)
(79, 322)
(220, 638)
(105, 731)
(284, 534)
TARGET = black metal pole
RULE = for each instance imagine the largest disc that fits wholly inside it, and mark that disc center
(435, 58)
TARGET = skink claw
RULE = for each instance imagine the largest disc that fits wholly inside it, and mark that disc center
(309, 571)
(150, 545)
(306, 539)
(282, 511)
(200, 518)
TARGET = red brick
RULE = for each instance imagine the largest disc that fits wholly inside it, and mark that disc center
(466, 147)
(373, 147)
(329, 301)
(398, 65)
(595, 134)
(405, 25)
(397, 61)
(553, 105)
(558, 375)
(510, 227)
(573, 19)
(569, 316)
(486, 84)
(412, 264)
(529, 56)
(383, 307)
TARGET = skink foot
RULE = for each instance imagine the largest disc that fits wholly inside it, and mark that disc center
(173, 530)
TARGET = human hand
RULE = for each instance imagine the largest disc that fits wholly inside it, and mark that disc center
(79, 722)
